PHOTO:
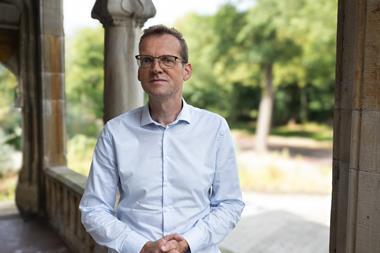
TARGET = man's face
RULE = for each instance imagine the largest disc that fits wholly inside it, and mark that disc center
(161, 82)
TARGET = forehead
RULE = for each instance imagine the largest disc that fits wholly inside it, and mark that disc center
(160, 44)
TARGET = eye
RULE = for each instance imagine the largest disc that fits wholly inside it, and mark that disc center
(167, 59)
(146, 60)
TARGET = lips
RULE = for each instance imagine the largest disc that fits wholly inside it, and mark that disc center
(158, 80)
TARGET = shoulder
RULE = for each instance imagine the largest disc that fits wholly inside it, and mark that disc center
(208, 118)
(125, 120)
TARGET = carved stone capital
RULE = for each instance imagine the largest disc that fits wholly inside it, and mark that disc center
(119, 12)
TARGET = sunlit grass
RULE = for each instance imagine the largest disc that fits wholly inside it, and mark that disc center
(274, 179)
(79, 155)
(311, 130)
(297, 162)
(319, 132)
(8, 186)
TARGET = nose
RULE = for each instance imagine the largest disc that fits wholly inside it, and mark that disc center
(156, 67)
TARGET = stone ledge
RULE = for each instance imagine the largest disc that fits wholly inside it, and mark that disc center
(68, 177)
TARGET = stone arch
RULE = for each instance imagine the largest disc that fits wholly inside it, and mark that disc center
(25, 43)
(16, 31)
(31, 43)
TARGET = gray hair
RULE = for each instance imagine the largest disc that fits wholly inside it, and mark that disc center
(162, 30)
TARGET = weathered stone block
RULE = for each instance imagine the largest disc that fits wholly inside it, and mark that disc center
(368, 214)
(355, 135)
(8, 44)
(52, 53)
(342, 134)
(346, 76)
(53, 86)
(340, 217)
(52, 17)
(370, 142)
(352, 207)
(371, 76)
(27, 197)
(9, 16)
(54, 133)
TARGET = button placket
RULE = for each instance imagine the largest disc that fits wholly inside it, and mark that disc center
(164, 177)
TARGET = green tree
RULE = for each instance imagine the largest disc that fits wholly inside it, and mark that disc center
(84, 82)
(220, 77)
(311, 75)
(203, 89)
(266, 43)
(10, 118)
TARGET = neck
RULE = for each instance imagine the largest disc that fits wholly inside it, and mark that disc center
(165, 112)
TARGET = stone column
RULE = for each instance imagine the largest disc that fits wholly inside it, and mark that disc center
(122, 21)
(355, 213)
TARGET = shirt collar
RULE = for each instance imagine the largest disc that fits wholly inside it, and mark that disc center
(184, 115)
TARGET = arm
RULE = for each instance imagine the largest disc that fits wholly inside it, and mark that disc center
(97, 203)
(225, 202)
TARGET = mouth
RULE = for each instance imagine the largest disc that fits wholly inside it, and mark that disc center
(157, 81)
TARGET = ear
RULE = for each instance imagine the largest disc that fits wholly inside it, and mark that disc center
(187, 71)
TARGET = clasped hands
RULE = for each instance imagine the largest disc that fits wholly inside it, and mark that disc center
(173, 243)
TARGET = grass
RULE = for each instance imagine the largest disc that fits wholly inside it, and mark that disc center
(318, 132)
(311, 130)
(79, 155)
(301, 171)
(273, 179)
(8, 186)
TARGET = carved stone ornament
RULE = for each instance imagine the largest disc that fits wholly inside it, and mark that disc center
(118, 12)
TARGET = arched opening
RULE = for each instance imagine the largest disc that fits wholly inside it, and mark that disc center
(11, 130)
(355, 217)
(10, 135)
(293, 179)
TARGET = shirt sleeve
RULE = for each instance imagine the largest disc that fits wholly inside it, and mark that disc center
(98, 201)
(226, 200)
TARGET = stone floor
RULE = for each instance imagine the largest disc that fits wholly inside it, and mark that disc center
(281, 224)
(277, 231)
(33, 236)
(270, 224)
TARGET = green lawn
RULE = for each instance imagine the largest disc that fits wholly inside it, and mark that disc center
(311, 130)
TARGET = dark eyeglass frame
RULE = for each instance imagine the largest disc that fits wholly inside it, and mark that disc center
(160, 59)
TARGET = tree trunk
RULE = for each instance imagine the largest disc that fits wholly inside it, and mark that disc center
(303, 103)
(265, 110)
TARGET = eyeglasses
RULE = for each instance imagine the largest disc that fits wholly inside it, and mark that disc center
(165, 61)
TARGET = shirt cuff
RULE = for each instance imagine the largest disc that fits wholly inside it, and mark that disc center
(195, 238)
(134, 243)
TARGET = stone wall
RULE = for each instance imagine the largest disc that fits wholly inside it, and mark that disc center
(355, 221)
(64, 189)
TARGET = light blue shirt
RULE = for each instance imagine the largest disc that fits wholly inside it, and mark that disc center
(180, 178)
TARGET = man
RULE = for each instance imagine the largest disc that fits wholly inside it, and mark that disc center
(173, 164)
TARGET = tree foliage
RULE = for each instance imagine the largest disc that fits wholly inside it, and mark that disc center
(10, 117)
(230, 49)
(84, 82)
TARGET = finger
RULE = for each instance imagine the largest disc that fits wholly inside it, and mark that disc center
(161, 242)
(176, 237)
(169, 245)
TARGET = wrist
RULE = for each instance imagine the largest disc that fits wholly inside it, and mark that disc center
(185, 246)
(146, 246)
